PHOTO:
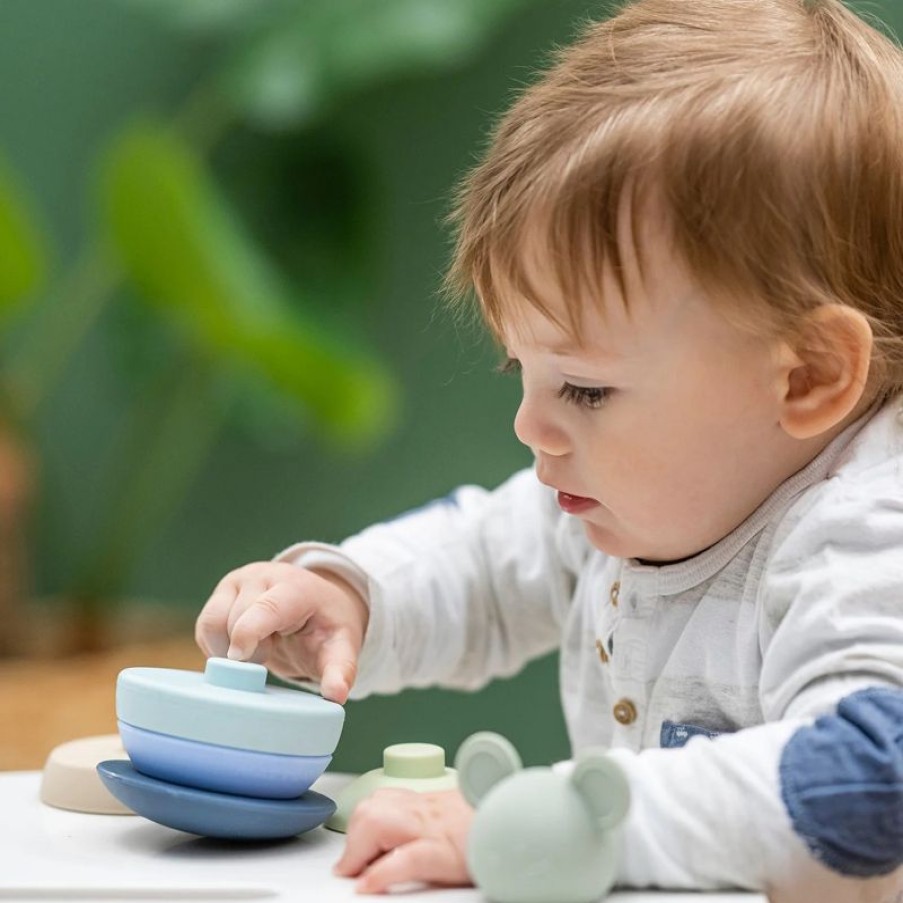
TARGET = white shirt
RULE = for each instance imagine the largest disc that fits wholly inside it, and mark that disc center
(801, 605)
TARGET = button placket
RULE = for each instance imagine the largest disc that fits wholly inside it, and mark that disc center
(624, 711)
(607, 621)
(603, 655)
(628, 709)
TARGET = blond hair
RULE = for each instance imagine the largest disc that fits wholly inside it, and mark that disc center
(770, 131)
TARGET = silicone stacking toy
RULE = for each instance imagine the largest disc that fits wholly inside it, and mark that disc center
(411, 766)
(221, 753)
(540, 835)
(70, 780)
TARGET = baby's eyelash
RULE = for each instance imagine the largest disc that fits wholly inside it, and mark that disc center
(584, 396)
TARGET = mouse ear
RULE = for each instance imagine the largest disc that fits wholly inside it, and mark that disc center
(604, 787)
(482, 761)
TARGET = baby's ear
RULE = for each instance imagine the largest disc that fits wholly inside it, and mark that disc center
(604, 787)
(482, 761)
(825, 370)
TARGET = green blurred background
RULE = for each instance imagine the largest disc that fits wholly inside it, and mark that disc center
(221, 241)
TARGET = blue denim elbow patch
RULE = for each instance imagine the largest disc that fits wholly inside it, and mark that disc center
(842, 784)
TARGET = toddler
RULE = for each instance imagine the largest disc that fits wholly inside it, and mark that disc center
(687, 238)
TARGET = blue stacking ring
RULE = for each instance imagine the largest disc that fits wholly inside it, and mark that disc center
(211, 814)
(220, 768)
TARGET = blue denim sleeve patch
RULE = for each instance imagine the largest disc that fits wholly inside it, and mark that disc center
(675, 734)
(842, 784)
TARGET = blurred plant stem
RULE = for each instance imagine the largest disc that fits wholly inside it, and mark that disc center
(221, 324)
(162, 446)
(94, 277)
(205, 117)
(165, 438)
(82, 294)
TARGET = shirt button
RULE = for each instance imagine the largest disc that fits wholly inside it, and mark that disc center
(603, 655)
(615, 592)
(624, 711)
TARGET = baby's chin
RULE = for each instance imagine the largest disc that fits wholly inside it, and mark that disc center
(613, 543)
(609, 541)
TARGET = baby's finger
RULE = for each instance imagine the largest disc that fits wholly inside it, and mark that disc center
(280, 609)
(378, 824)
(337, 667)
(211, 631)
(429, 860)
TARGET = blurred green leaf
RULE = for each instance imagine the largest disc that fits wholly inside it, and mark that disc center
(214, 18)
(193, 262)
(23, 247)
(289, 60)
(321, 50)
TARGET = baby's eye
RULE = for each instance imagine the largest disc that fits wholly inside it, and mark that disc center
(584, 396)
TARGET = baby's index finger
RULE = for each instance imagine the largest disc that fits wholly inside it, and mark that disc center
(337, 666)
(210, 630)
(334, 684)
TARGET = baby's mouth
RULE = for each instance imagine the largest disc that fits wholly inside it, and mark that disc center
(575, 504)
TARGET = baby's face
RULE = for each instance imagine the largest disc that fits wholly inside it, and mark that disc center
(661, 432)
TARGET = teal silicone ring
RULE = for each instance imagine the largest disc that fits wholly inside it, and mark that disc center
(229, 705)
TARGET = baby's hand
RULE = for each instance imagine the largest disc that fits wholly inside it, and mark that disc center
(397, 836)
(297, 622)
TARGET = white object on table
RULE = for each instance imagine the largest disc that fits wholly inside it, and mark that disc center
(51, 855)
(70, 779)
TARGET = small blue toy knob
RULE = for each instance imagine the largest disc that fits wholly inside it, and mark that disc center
(224, 672)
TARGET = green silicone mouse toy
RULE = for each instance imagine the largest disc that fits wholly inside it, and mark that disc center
(540, 835)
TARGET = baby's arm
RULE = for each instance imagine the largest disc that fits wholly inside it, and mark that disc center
(760, 808)
(821, 782)
(455, 593)
(465, 589)
(805, 806)
(744, 810)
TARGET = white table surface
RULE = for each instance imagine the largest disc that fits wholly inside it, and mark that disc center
(51, 855)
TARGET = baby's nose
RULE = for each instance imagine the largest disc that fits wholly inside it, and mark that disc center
(538, 432)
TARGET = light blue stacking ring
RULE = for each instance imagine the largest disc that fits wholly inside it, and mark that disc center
(221, 769)
(213, 814)
(229, 705)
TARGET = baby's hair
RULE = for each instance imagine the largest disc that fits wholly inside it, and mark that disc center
(768, 133)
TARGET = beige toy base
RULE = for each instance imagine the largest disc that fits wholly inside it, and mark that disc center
(70, 779)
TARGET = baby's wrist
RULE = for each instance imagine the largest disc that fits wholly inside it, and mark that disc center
(348, 589)
(324, 559)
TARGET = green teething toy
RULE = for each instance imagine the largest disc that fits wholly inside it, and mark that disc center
(539, 835)
(409, 766)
